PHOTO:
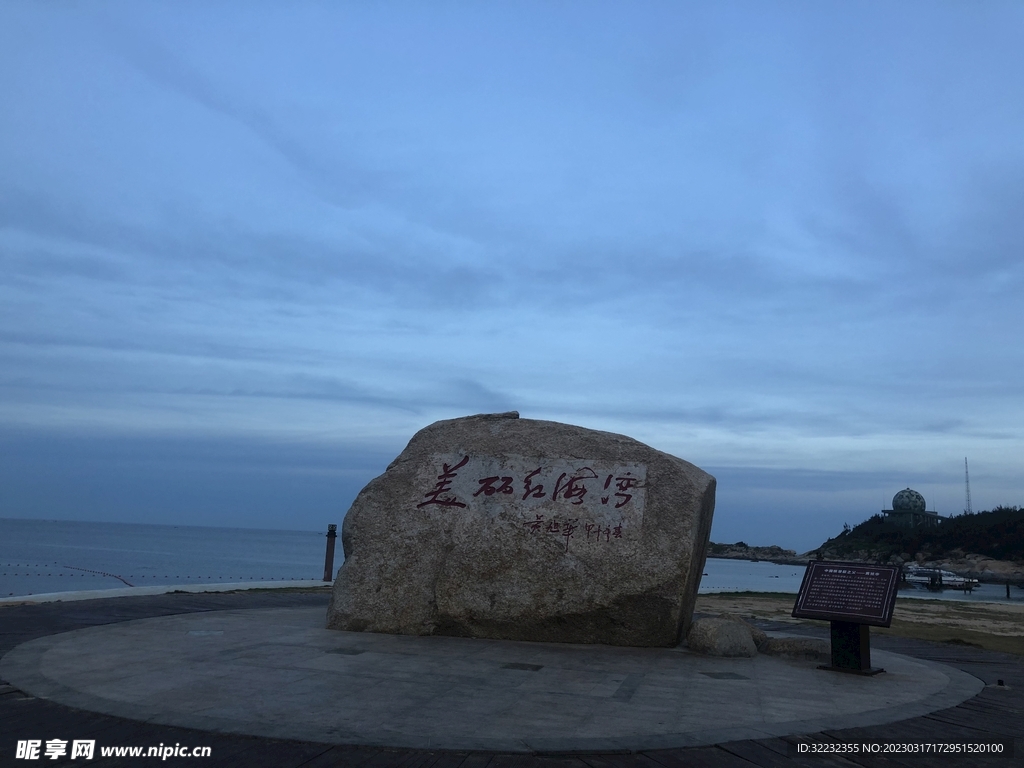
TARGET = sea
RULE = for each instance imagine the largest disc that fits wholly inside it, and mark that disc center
(42, 556)
(46, 556)
(726, 575)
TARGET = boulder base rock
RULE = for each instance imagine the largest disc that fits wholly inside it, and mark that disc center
(721, 637)
(501, 527)
(759, 636)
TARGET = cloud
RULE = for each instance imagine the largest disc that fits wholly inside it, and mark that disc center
(755, 237)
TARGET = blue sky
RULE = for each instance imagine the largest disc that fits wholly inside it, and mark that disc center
(249, 248)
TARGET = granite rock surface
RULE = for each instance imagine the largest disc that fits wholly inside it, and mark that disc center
(758, 635)
(721, 637)
(501, 527)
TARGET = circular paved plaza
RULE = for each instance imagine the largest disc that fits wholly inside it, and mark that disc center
(279, 673)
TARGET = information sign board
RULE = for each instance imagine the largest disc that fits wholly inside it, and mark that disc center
(850, 592)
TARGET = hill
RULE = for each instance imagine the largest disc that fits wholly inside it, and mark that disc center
(742, 551)
(995, 536)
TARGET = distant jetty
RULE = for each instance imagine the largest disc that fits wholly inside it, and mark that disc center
(987, 570)
(742, 551)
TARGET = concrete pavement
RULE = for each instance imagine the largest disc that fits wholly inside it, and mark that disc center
(279, 673)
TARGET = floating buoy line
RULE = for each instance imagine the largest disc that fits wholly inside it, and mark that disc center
(47, 569)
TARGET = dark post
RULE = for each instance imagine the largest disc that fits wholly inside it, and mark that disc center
(851, 647)
(332, 534)
(1007, 589)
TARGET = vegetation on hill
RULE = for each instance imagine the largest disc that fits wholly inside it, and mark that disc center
(998, 534)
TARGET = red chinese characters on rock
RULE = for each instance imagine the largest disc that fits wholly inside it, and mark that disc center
(624, 483)
(572, 487)
(444, 485)
(488, 486)
(566, 528)
(533, 491)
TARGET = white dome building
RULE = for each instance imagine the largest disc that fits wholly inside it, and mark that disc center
(908, 510)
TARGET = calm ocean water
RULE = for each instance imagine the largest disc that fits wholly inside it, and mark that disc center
(721, 575)
(38, 556)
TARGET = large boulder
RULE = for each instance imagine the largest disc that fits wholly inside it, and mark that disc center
(715, 636)
(501, 527)
(758, 635)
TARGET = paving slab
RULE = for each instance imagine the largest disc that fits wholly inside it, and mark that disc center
(279, 673)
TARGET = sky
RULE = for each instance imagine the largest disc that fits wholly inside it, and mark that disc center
(248, 249)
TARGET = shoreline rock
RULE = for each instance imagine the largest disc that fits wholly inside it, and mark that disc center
(729, 635)
(500, 527)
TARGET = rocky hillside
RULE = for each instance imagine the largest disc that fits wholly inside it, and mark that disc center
(742, 551)
(987, 545)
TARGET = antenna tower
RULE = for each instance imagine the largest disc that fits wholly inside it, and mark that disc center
(967, 483)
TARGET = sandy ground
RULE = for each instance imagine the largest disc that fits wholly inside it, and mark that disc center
(985, 625)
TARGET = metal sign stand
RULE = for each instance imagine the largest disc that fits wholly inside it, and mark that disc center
(851, 649)
(852, 597)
